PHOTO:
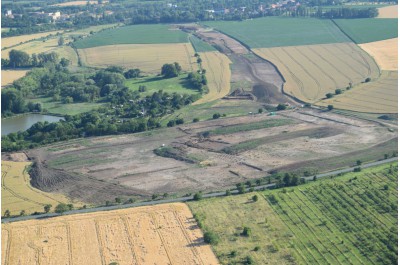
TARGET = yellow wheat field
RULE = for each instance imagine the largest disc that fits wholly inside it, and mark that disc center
(218, 75)
(17, 194)
(9, 76)
(385, 53)
(388, 12)
(76, 3)
(11, 41)
(149, 58)
(163, 234)
(377, 96)
(312, 71)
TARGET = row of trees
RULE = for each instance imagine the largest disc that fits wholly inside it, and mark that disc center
(20, 59)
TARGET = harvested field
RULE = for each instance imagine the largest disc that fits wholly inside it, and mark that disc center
(164, 234)
(128, 166)
(76, 3)
(377, 96)
(17, 194)
(314, 70)
(388, 12)
(226, 216)
(148, 58)
(9, 76)
(218, 75)
(385, 53)
(365, 30)
(11, 41)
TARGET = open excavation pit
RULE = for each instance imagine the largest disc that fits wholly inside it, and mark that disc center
(209, 155)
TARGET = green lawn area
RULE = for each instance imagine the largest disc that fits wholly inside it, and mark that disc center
(135, 34)
(64, 109)
(281, 31)
(201, 46)
(365, 30)
(153, 84)
(351, 219)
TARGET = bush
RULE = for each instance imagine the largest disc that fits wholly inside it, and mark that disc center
(255, 198)
(61, 208)
(180, 121)
(281, 107)
(357, 169)
(338, 91)
(198, 196)
(257, 248)
(196, 120)
(246, 231)
(329, 95)
(171, 123)
(330, 107)
(228, 193)
(249, 260)
(211, 238)
(216, 116)
(367, 80)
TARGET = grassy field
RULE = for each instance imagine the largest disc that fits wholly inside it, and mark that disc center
(377, 96)
(136, 34)
(279, 31)
(163, 234)
(251, 126)
(312, 71)
(369, 29)
(218, 75)
(155, 83)
(201, 46)
(226, 217)
(148, 58)
(17, 194)
(64, 109)
(9, 76)
(346, 220)
(385, 53)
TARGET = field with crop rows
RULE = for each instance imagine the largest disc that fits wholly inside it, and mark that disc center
(164, 234)
(385, 53)
(9, 76)
(388, 11)
(218, 75)
(17, 194)
(279, 31)
(314, 70)
(226, 217)
(377, 96)
(11, 41)
(365, 30)
(148, 58)
(136, 34)
(346, 220)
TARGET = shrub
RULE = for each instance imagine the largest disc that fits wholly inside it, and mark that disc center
(248, 260)
(198, 196)
(216, 116)
(257, 248)
(330, 107)
(357, 169)
(329, 95)
(196, 120)
(211, 238)
(246, 231)
(281, 107)
(179, 121)
(171, 123)
(338, 91)
(228, 192)
(367, 80)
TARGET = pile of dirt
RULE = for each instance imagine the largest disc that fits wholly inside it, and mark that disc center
(83, 188)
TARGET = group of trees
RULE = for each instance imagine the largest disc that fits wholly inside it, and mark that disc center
(20, 59)
(198, 80)
(171, 70)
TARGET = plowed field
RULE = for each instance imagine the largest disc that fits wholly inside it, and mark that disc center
(148, 58)
(377, 96)
(164, 234)
(312, 71)
(218, 75)
(17, 194)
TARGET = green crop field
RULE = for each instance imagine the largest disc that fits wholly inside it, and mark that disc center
(153, 84)
(369, 29)
(201, 46)
(346, 220)
(350, 219)
(280, 31)
(136, 34)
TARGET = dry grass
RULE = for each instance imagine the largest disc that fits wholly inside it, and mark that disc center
(17, 194)
(218, 75)
(9, 76)
(163, 234)
(148, 58)
(378, 96)
(385, 53)
(388, 12)
(312, 71)
(76, 3)
(11, 41)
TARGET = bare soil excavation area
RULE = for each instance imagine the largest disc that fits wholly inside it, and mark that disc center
(234, 150)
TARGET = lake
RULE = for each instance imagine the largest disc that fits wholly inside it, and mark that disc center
(24, 122)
